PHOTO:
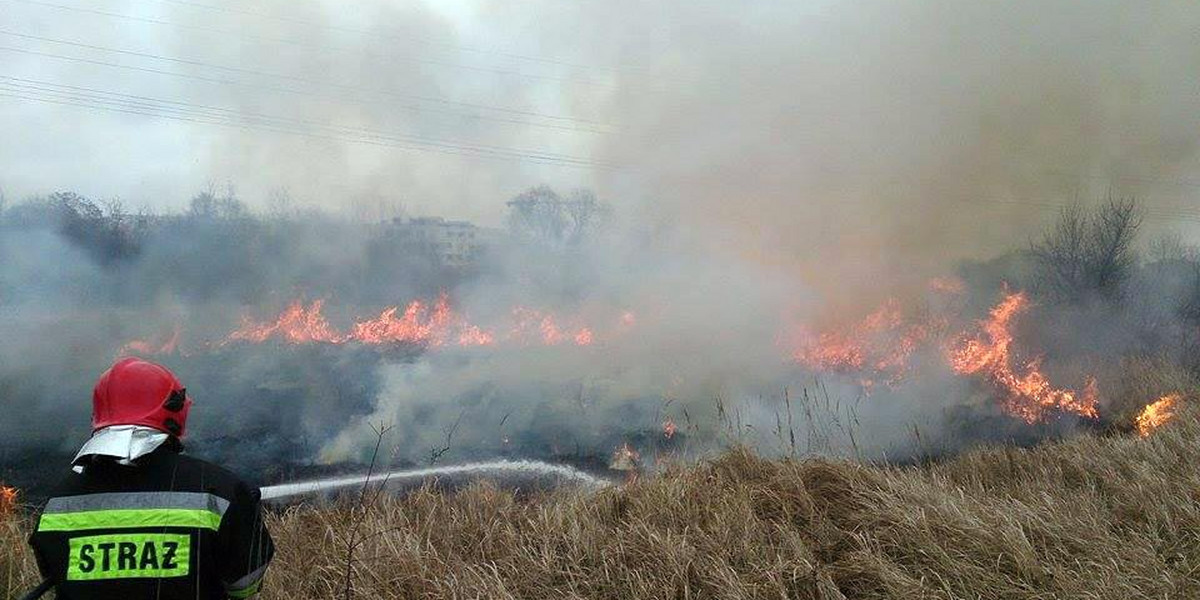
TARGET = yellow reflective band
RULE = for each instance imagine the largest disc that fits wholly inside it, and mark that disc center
(129, 518)
(122, 500)
(129, 555)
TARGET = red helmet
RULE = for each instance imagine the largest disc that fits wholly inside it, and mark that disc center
(138, 392)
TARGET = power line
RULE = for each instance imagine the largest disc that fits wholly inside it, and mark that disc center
(428, 41)
(241, 35)
(281, 125)
(202, 114)
(297, 79)
(187, 108)
(269, 88)
(200, 120)
(276, 124)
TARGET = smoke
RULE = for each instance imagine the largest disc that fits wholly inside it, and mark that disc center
(854, 141)
(698, 328)
(69, 304)
(767, 164)
(788, 129)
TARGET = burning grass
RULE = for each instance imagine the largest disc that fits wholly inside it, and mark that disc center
(1092, 517)
(418, 323)
(1027, 395)
(1157, 414)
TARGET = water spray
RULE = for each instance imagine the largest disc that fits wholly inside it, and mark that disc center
(500, 467)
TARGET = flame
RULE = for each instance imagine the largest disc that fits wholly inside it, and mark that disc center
(668, 428)
(583, 337)
(880, 344)
(1156, 414)
(534, 325)
(8, 499)
(297, 324)
(474, 336)
(417, 323)
(1028, 395)
(551, 335)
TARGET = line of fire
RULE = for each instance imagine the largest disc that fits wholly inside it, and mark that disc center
(477, 368)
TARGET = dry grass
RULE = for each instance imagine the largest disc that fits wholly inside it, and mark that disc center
(1114, 517)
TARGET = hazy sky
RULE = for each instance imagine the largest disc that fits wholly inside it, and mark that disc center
(895, 129)
(377, 100)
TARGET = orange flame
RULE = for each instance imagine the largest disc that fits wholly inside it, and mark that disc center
(668, 428)
(1156, 414)
(297, 324)
(583, 337)
(881, 343)
(530, 324)
(474, 336)
(551, 335)
(1029, 396)
(418, 323)
(8, 500)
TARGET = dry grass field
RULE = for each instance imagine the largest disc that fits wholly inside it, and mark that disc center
(1112, 517)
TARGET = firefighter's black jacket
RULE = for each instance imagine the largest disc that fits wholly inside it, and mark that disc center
(169, 526)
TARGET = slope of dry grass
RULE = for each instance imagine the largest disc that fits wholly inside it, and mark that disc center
(1114, 517)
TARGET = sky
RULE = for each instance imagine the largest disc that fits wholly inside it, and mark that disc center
(890, 131)
(378, 100)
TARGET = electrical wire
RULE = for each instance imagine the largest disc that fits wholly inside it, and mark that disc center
(282, 125)
(428, 41)
(592, 125)
(242, 36)
(18, 84)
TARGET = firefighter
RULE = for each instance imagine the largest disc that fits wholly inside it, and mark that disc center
(136, 518)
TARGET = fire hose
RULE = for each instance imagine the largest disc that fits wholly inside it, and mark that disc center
(39, 591)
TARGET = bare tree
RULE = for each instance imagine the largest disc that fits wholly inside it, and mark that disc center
(585, 214)
(208, 205)
(542, 214)
(280, 206)
(537, 214)
(1114, 228)
(1089, 254)
(105, 229)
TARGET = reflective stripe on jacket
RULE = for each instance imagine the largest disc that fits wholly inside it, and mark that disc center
(169, 526)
